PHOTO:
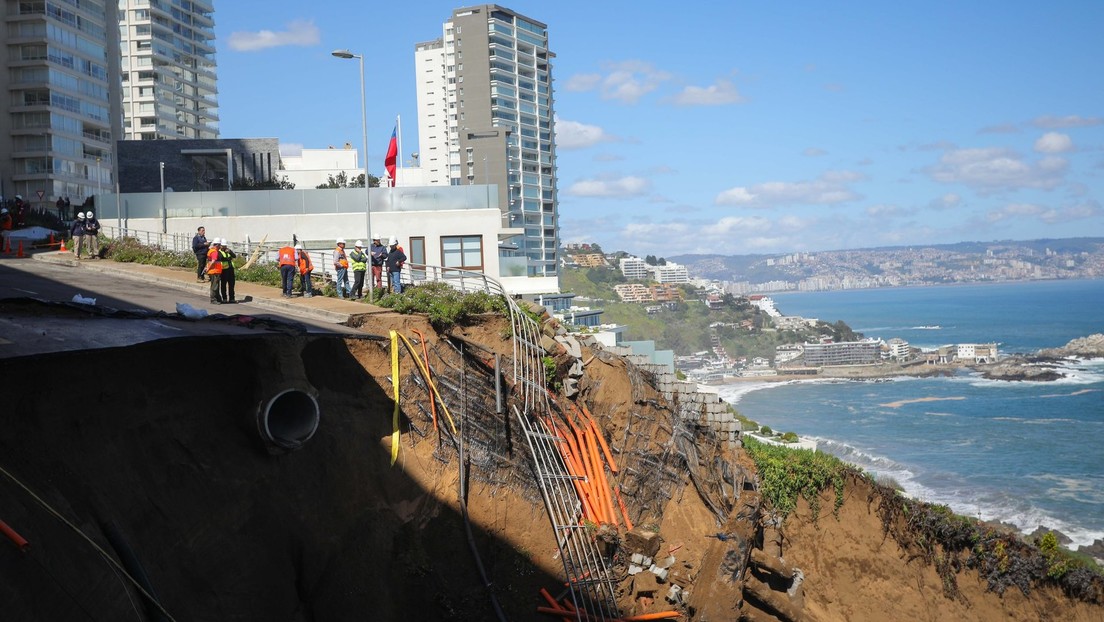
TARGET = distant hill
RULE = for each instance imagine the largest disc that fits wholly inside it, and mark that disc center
(1056, 258)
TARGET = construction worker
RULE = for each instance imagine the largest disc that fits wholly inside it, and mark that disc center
(92, 235)
(341, 269)
(378, 252)
(306, 266)
(77, 232)
(214, 271)
(286, 258)
(226, 257)
(358, 260)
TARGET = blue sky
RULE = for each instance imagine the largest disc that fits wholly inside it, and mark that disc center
(737, 127)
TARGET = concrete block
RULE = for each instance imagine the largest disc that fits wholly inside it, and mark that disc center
(635, 569)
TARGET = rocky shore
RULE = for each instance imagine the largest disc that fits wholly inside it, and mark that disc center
(1043, 366)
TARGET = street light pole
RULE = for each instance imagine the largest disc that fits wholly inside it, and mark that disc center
(364, 125)
(164, 211)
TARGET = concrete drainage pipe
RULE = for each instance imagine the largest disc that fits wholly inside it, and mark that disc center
(288, 419)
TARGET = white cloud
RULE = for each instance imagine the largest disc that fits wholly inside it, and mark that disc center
(885, 211)
(1053, 142)
(995, 169)
(582, 82)
(946, 201)
(830, 188)
(575, 135)
(299, 32)
(1067, 121)
(291, 149)
(629, 186)
(626, 81)
(720, 93)
(1048, 215)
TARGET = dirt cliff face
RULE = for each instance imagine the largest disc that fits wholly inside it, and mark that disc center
(152, 452)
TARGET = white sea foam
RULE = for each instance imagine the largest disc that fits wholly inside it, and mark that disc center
(969, 501)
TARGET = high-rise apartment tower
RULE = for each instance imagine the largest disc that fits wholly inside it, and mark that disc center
(168, 65)
(485, 116)
(59, 72)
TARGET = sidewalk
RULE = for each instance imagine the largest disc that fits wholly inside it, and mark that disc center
(324, 308)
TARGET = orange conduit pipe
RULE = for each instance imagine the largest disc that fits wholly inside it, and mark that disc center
(573, 469)
(17, 539)
(432, 402)
(621, 504)
(552, 603)
(601, 439)
(659, 615)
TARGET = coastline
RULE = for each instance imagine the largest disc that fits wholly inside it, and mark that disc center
(915, 477)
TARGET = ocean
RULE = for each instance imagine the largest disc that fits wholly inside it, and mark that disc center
(1026, 453)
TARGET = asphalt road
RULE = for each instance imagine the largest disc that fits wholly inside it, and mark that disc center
(46, 281)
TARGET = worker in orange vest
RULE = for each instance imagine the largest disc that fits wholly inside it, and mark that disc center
(287, 269)
(306, 266)
(214, 271)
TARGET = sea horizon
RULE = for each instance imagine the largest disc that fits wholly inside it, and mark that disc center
(1023, 453)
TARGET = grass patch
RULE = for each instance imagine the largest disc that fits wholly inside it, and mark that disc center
(787, 474)
(442, 304)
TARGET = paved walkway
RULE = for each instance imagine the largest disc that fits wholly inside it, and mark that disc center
(320, 307)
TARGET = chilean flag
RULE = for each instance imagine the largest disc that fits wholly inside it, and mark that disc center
(392, 155)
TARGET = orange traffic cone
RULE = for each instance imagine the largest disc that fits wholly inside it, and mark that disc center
(63, 249)
(19, 255)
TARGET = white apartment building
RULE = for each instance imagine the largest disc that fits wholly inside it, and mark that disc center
(485, 116)
(59, 71)
(898, 349)
(671, 273)
(634, 268)
(313, 167)
(168, 69)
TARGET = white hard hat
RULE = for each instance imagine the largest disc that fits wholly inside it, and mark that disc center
(80, 216)
(340, 240)
(358, 244)
(216, 241)
(3, 210)
(298, 247)
(88, 214)
(392, 241)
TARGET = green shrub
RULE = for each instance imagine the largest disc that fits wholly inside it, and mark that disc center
(789, 437)
(766, 430)
(130, 250)
(444, 305)
(787, 473)
(260, 273)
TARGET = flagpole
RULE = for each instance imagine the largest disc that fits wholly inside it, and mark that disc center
(399, 157)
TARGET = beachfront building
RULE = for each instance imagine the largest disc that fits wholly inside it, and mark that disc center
(764, 304)
(59, 71)
(898, 349)
(976, 353)
(168, 69)
(670, 273)
(634, 268)
(842, 353)
(486, 116)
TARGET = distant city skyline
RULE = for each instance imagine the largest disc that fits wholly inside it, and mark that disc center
(739, 129)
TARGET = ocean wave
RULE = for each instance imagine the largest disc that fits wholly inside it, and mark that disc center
(967, 500)
(936, 327)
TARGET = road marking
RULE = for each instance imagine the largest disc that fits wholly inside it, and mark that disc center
(25, 291)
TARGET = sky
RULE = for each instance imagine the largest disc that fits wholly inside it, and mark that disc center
(736, 127)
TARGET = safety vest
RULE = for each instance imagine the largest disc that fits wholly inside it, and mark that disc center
(340, 260)
(287, 256)
(224, 259)
(214, 264)
(359, 260)
(305, 263)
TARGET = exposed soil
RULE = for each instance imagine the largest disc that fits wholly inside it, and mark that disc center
(152, 451)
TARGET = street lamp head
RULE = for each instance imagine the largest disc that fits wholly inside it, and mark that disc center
(343, 54)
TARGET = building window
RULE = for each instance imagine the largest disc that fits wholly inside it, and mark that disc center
(462, 251)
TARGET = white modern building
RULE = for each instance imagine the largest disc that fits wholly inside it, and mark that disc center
(671, 273)
(59, 70)
(314, 167)
(634, 268)
(485, 116)
(168, 69)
